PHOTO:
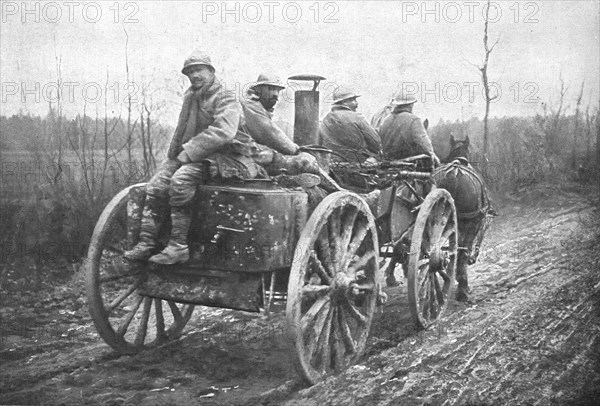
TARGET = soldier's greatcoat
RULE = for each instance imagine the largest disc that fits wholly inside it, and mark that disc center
(403, 135)
(348, 133)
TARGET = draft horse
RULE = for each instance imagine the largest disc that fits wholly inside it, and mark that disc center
(473, 208)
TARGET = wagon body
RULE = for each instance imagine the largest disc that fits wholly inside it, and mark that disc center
(255, 244)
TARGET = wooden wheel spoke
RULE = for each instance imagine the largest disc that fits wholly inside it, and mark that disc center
(353, 312)
(439, 292)
(444, 275)
(310, 316)
(433, 297)
(366, 286)
(312, 335)
(333, 232)
(338, 344)
(119, 299)
(357, 239)
(363, 261)
(348, 225)
(315, 289)
(320, 269)
(450, 229)
(324, 254)
(323, 348)
(175, 311)
(160, 319)
(140, 336)
(123, 327)
(423, 285)
(346, 333)
(426, 305)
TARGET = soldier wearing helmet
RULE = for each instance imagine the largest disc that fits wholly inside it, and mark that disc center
(347, 132)
(403, 134)
(276, 151)
(207, 131)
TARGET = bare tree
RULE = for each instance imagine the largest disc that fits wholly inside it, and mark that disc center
(552, 133)
(576, 128)
(130, 127)
(483, 70)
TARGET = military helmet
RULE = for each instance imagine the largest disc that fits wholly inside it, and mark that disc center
(197, 58)
(342, 94)
(401, 98)
(269, 79)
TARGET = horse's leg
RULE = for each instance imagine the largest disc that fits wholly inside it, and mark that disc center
(399, 255)
(390, 278)
(463, 290)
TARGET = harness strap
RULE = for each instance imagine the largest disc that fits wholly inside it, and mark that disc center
(462, 164)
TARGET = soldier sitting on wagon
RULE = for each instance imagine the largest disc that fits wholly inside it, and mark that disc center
(210, 130)
(276, 151)
(346, 131)
(403, 134)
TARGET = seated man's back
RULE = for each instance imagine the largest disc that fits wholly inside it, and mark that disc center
(346, 132)
(403, 134)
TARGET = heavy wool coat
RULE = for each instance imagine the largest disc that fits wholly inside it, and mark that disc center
(403, 135)
(208, 123)
(348, 133)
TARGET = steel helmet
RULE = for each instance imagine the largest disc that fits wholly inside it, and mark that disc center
(269, 79)
(197, 58)
(403, 98)
(342, 94)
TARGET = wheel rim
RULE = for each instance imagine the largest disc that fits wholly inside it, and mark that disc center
(127, 321)
(333, 286)
(432, 258)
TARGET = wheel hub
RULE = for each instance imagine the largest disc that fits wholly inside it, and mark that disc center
(436, 259)
(340, 287)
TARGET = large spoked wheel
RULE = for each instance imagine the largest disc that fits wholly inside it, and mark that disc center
(125, 320)
(332, 290)
(432, 258)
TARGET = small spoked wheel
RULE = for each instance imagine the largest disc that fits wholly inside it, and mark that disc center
(432, 258)
(125, 320)
(333, 288)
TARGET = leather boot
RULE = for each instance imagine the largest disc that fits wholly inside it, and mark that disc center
(152, 219)
(177, 250)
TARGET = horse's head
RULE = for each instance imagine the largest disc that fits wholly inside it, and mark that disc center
(458, 149)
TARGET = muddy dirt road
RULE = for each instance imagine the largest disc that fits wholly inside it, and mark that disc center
(531, 335)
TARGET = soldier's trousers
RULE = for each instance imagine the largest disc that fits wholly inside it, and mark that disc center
(177, 182)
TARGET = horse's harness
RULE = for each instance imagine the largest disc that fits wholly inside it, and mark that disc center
(483, 205)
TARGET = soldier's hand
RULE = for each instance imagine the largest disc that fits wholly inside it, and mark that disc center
(436, 160)
(297, 151)
(183, 157)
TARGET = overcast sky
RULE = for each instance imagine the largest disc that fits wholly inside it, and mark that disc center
(372, 47)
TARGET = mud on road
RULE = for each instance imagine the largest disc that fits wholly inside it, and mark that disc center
(530, 336)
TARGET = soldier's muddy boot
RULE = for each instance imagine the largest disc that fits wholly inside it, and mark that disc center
(463, 290)
(152, 218)
(176, 251)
